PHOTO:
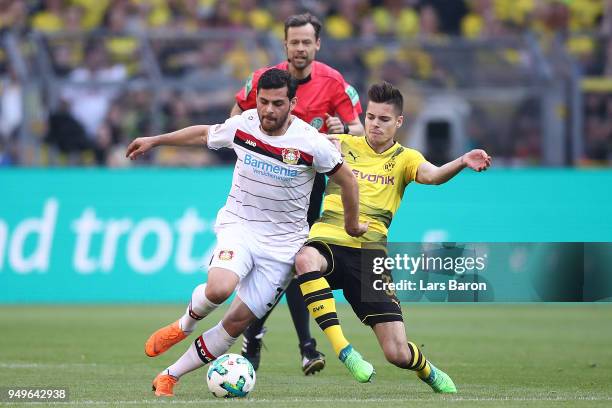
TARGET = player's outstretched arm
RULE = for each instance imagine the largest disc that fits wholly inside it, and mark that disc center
(476, 159)
(345, 178)
(189, 136)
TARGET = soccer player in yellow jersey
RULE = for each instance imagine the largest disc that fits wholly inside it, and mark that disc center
(333, 259)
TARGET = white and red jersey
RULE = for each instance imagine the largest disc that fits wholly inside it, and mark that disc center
(273, 176)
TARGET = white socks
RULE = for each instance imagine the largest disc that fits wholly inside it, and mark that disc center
(199, 307)
(217, 341)
(185, 364)
(203, 350)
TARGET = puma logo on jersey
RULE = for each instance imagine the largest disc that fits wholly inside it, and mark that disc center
(250, 143)
(352, 155)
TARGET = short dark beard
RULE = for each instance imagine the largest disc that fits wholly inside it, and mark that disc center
(280, 122)
(306, 64)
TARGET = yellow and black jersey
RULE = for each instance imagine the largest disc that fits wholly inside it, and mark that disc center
(382, 178)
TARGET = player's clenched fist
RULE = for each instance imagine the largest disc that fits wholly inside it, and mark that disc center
(358, 230)
(334, 124)
(139, 146)
(477, 159)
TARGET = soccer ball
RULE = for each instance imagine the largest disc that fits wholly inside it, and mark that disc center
(230, 376)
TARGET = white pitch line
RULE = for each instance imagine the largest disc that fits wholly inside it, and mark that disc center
(321, 400)
(46, 365)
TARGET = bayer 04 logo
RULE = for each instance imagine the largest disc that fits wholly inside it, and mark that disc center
(230, 376)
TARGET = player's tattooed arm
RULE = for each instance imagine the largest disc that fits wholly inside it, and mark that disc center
(189, 136)
(476, 159)
(345, 178)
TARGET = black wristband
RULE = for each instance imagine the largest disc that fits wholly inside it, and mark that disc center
(346, 129)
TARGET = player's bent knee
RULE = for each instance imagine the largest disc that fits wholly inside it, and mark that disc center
(218, 293)
(221, 284)
(307, 259)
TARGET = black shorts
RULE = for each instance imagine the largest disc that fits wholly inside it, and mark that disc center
(345, 271)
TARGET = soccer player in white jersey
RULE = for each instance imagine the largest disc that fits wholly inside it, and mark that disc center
(263, 223)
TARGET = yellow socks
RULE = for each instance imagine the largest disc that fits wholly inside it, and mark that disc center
(418, 363)
(322, 307)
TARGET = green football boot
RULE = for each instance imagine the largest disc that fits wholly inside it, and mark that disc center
(361, 370)
(440, 382)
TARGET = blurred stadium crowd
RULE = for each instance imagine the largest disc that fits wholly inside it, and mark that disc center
(96, 74)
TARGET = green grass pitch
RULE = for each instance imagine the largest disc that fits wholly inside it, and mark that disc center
(498, 355)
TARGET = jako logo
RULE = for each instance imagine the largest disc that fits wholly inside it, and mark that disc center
(269, 167)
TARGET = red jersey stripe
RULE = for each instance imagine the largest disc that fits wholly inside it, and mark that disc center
(275, 151)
